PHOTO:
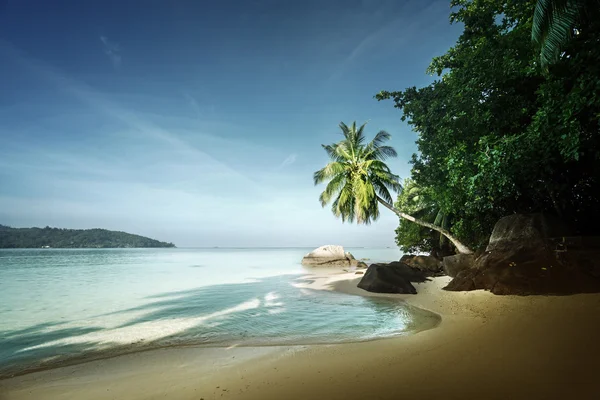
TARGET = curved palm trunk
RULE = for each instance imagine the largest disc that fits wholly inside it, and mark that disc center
(459, 246)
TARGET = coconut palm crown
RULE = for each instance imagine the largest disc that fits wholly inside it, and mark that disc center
(357, 174)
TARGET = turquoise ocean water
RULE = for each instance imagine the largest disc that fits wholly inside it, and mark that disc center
(59, 306)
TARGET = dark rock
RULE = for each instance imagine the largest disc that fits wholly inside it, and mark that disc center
(430, 265)
(395, 277)
(523, 259)
(410, 273)
(406, 258)
(527, 271)
(457, 263)
(527, 229)
(358, 273)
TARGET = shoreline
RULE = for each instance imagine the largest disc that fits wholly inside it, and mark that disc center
(485, 346)
(140, 346)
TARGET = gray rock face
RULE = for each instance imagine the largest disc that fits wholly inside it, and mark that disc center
(329, 256)
(530, 230)
(395, 277)
(457, 263)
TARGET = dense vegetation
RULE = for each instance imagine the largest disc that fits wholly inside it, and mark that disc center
(499, 131)
(72, 238)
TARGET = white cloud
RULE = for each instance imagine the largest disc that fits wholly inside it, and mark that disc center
(112, 50)
(288, 161)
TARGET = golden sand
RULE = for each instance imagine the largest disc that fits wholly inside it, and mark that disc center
(486, 347)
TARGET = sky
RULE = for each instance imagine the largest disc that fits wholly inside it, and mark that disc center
(201, 122)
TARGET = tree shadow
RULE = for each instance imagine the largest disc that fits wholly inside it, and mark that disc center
(269, 311)
(47, 344)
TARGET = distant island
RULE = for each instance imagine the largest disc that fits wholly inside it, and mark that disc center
(19, 238)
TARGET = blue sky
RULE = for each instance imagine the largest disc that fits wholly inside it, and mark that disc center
(200, 122)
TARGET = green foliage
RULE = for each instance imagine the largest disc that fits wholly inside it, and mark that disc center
(497, 133)
(72, 238)
(555, 22)
(410, 237)
(357, 175)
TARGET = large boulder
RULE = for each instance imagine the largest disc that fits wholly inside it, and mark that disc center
(523, 259)
(431, 266)
(395, 277)
(457, 263)
(531, 230)
(329, 256)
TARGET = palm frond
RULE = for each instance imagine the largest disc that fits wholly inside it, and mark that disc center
(373, 164)
(544, 15)
(331, 150)
(344, 205)
(387, 179)
(332, 189)
(328, 172)
(561, 31)
(554, 22)
(360, 136)
(382, 190)
(381, 153)
(345, 130)
(380, 138)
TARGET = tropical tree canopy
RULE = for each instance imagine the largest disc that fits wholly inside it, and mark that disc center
(497, 133)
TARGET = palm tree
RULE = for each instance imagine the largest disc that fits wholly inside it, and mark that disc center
(555, 22)
(417, 202)
(358, 180)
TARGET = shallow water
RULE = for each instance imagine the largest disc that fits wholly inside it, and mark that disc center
(57, 305)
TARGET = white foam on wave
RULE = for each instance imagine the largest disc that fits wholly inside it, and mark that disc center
(274, 307)
(144, 331)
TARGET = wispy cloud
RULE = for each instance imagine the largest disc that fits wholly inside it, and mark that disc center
(288, 161)
(389, 36)
(112, 50)
(202, 111)
(366, 44)
(136, 124)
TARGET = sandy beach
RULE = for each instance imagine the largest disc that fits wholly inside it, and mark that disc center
(486, 347)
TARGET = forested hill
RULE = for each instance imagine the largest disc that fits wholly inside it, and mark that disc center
(13, 238)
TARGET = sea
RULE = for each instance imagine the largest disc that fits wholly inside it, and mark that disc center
(61, 306)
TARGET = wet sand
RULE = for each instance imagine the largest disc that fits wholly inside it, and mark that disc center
(486, 347)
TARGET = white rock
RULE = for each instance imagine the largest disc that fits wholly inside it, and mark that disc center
(330, 255)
